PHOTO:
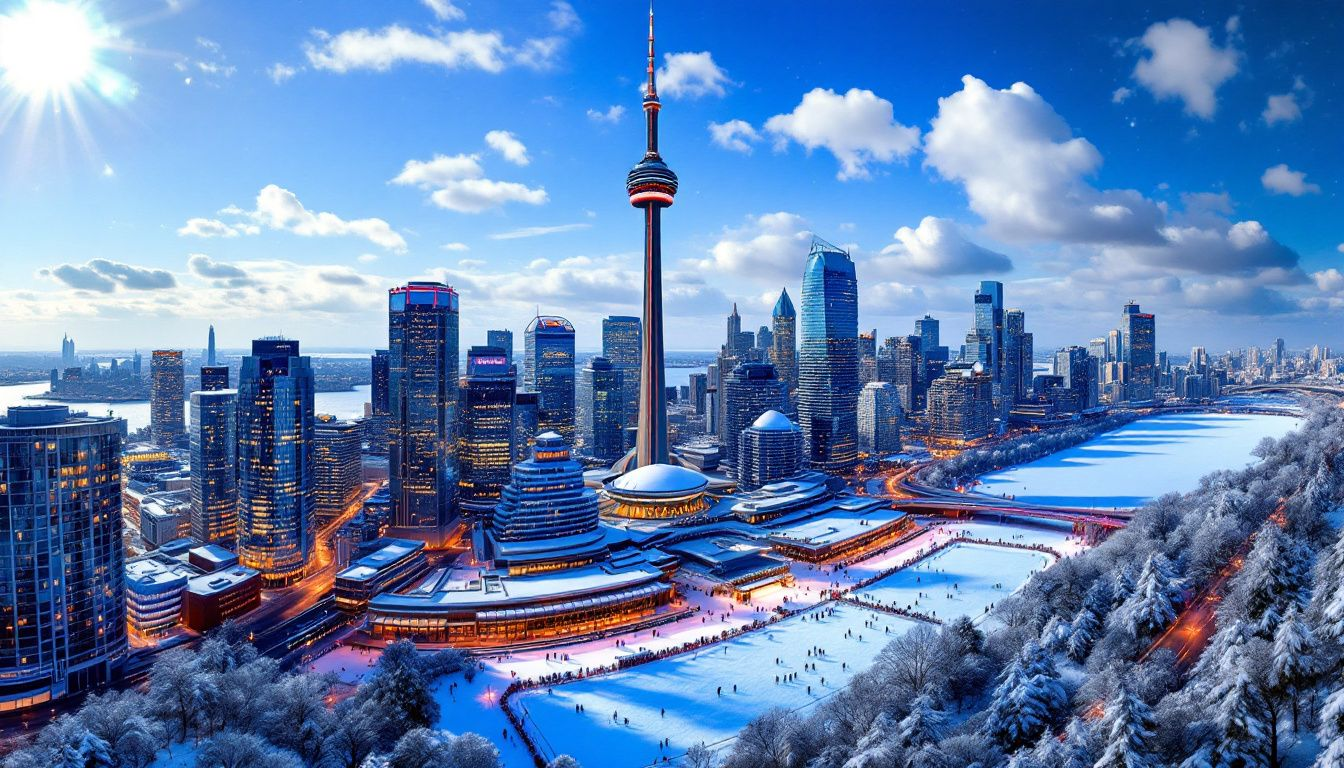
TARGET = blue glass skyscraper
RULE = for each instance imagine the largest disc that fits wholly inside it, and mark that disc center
(487, 429)
(828, 362)
(550, 373)
(422, 333)
(275, 461)
(214, 466)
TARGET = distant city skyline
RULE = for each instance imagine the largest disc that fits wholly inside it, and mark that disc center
(1208, 195)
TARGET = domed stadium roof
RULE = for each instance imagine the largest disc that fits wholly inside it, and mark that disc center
(659, 480)
(773, 421)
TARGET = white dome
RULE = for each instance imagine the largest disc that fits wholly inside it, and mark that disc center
(659, 479)
(773, 421)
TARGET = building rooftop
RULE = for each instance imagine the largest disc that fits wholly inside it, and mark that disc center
(389, 552)
(219, 581)
(660, 480)
(152, 574)
(842, 519)
(774, 421)
(475, 588)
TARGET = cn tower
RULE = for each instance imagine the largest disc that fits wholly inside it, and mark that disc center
(652, 185)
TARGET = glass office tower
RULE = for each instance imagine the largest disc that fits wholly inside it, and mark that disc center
(214, 466)
(422, 329)
(784, 344)
(486, 432)
(550, 373)
(749, 391)
(167, 396)
(620, 344)
(1137, 331)
(275, 461)
(62, 571)
(828, 363)
(604, 409)
(502, 339)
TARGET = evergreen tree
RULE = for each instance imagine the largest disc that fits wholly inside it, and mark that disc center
(1330, 733)
(1152, 606)
(1028, 697)
(926, 724)
(1128, 730)
(1294, 666)
(1240, 735)
(1275, 577)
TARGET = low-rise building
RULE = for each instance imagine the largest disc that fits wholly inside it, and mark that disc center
(154, 589)
(391, 563)
(213, 598)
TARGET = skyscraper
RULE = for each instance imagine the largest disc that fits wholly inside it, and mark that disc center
(621, 345)
(784, 344)
(927, 330)
(1073, 365)
(501, 339)
(214, 378)
(210, 348)
(749, 390)
(422, 330)
(828, 364)
(1137, 330)
(867, 357)
(167, 392)
(603, 409)
(989, 327)
(377, 429)
(62, 571)
(734, 336)
(214, 466)
(275, 461)
(1014, 327)
(961, 404)
(68, 358)
(651, 186)
(487, 429)
(903, 368)
(765, 340)
(549, 345)
(336, 465)
(525, 418)
(879, 419)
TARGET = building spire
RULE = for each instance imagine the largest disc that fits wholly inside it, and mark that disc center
(651, 91)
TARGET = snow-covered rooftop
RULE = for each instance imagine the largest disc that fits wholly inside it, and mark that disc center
(465, 588)
(773, 421)
(660, 479)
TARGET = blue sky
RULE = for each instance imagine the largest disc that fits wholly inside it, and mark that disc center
(271, 167)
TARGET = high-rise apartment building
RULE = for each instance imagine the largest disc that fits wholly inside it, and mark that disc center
(422, 331)
(550, 373)
(828, 362)
(867, 356)
(526, 416)
(336, 465)
(487, 431)
(62, 568)
(276, 532)
(961, 405)
(749, 390)
(377, 428)
(621, 340)
(879, 419)
(214, 466)
(699, 384)
(989, 328)
(784, 344)
(167, 396)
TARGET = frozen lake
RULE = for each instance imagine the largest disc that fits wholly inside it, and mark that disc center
(1140, 461)
(962, 580)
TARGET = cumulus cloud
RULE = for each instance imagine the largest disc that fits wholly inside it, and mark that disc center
(612, 114)
(524, 232)
(1237, 296)
(937, 247)
(1329, 280)
(1025, 172)
(380, 50)
(278, 208)
(508, 146)
(208, 269)
(203, 227)
(563, 17)
(769, 248)
(1282, 180)
(458, 183)
(104, 276)
(858, 128)
(691, 75)
(1119, 95)
(279, 72)
(737, 135)
(1182, 62)
(444, 10)
(455, 247)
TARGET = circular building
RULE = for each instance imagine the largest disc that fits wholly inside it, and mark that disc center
(771, 449)
(657, 492)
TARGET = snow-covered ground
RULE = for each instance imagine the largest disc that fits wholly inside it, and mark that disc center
(679, 698)
(962, 580)
(1140, 461)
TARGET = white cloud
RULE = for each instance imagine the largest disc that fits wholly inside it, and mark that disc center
(937, 247)
(563, 17)
(508, 145)
(1119, 95)
(858, 128)
(1329, 280)
(1282, 180)
(692, 75)
(457, 183)
(366, 258)
(1184, 63)
(108, 172)
(219, 272)
(1025, 172)
(1285, 107)
(455, 247)
(516, 234)
(766, 249)
(444, 10)
(1215, 247)
(539, 53)
(105, 276)
(737, 135)
(380, 50)
(1340, 247)
(279, 73)
(202, 227)
(613, 114)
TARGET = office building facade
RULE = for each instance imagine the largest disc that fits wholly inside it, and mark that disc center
(879, 419)
(214, 466)
(603, 411)
(549, 349)
(828, 364)
(336, 465)
(749, 390)
(961, 405)
(167, 398)
(769, 450)
(487, 431)
(621, 340)
(1139, 352)
(784, 344)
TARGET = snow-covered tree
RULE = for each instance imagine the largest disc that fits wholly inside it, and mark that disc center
(1152, 606)
(926, 724)
(420, 748)
(355, 732)
(399, 691)
(1275, 577)
(1027, 699)
(765, 742)
(230, 749)
(1330, 732)
(878, 748)
(1240, 735)
(1294, 665)
(1127, 730)
(565, 761)
(699, 756)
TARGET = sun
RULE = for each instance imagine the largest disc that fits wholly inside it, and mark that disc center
(48, 49)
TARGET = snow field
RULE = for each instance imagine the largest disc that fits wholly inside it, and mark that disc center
(686, 687)
(962, 580)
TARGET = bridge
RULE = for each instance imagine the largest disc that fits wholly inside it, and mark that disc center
(1291, 387)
